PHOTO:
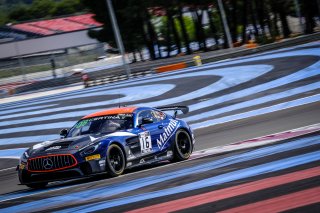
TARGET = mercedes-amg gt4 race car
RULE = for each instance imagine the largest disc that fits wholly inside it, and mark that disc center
(108, 141)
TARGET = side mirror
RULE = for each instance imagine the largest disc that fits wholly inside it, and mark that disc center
(63, 133)
(147, 120)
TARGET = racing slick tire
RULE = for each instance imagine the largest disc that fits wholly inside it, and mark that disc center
(37, 185)
(115, 160)
(182, 147)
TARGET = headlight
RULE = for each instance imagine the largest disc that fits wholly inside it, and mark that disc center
(89, 149)
(24, 157)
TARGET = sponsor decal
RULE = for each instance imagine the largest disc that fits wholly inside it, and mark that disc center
(167, 134)
(129, 163)
(142, 160)
(22, 166)
(81, 124)
(93, 157)
(130, 155)
(102, 163)
(169, 153)
(145, 142)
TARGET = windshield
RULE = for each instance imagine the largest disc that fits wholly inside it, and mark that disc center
(102, 125)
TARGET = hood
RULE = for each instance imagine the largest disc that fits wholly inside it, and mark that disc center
(74, 143)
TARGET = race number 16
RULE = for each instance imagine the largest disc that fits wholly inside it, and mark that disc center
(145, 142)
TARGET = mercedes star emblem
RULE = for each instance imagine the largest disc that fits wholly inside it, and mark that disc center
(47, 163)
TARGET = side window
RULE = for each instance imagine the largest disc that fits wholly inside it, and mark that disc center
(144, 114)
(158, 116)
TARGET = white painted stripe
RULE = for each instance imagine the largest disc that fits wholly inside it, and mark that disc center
(278, 107)
(254, 102)
(212, 122)
(11, 168)
(311, 71)
(27, 139)
(50, 117)
(135, 93)
(230, 108)
(4, 112)
(132, 94)
(244, 74)
(311, 51)
(239, 145)
(61, 125)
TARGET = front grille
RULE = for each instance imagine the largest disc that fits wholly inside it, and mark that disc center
(51, 163)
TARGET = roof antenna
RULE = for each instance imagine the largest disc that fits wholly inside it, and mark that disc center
(119, 100)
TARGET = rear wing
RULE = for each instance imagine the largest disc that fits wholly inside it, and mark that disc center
(183, 109)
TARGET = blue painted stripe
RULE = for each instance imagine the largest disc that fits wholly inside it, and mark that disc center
(28, 139)
(76, 113)
(310, 71)
(295, 77)
(314, 51)
(107, 191)
(133, 94)
(5, 112)
(261, 111)
(56, 125)
(250, 103)
(220, 179)
(198, 125)
(12, 153)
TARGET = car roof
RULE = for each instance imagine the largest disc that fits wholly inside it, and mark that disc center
(114, 111)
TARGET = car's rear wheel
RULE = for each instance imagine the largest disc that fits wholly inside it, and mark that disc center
(183, 146)
(37, 185)
(115, 160)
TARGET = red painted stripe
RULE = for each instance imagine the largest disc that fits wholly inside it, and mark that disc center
(282, 203)
(221, 194)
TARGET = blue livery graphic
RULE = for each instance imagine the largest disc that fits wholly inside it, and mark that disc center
(109, 141)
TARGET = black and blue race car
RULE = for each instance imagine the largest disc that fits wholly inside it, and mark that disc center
(109, 141)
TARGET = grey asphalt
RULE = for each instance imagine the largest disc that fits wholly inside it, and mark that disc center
(213, 136)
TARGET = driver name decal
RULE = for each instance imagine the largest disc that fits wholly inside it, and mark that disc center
(168, 132)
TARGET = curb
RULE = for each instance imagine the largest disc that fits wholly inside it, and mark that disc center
(259, 141)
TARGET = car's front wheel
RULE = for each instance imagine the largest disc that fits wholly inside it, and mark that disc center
(115, 160)
(183, 146)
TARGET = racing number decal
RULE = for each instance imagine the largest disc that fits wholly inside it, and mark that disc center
(145, 142)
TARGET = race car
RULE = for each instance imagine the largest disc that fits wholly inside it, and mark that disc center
(109, 141)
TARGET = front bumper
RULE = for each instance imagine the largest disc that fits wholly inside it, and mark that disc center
(81, 169)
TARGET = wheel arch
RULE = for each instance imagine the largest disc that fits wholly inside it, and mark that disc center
(186, 130)
(121, 147)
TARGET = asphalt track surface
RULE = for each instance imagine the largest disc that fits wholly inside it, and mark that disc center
(230, 101)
